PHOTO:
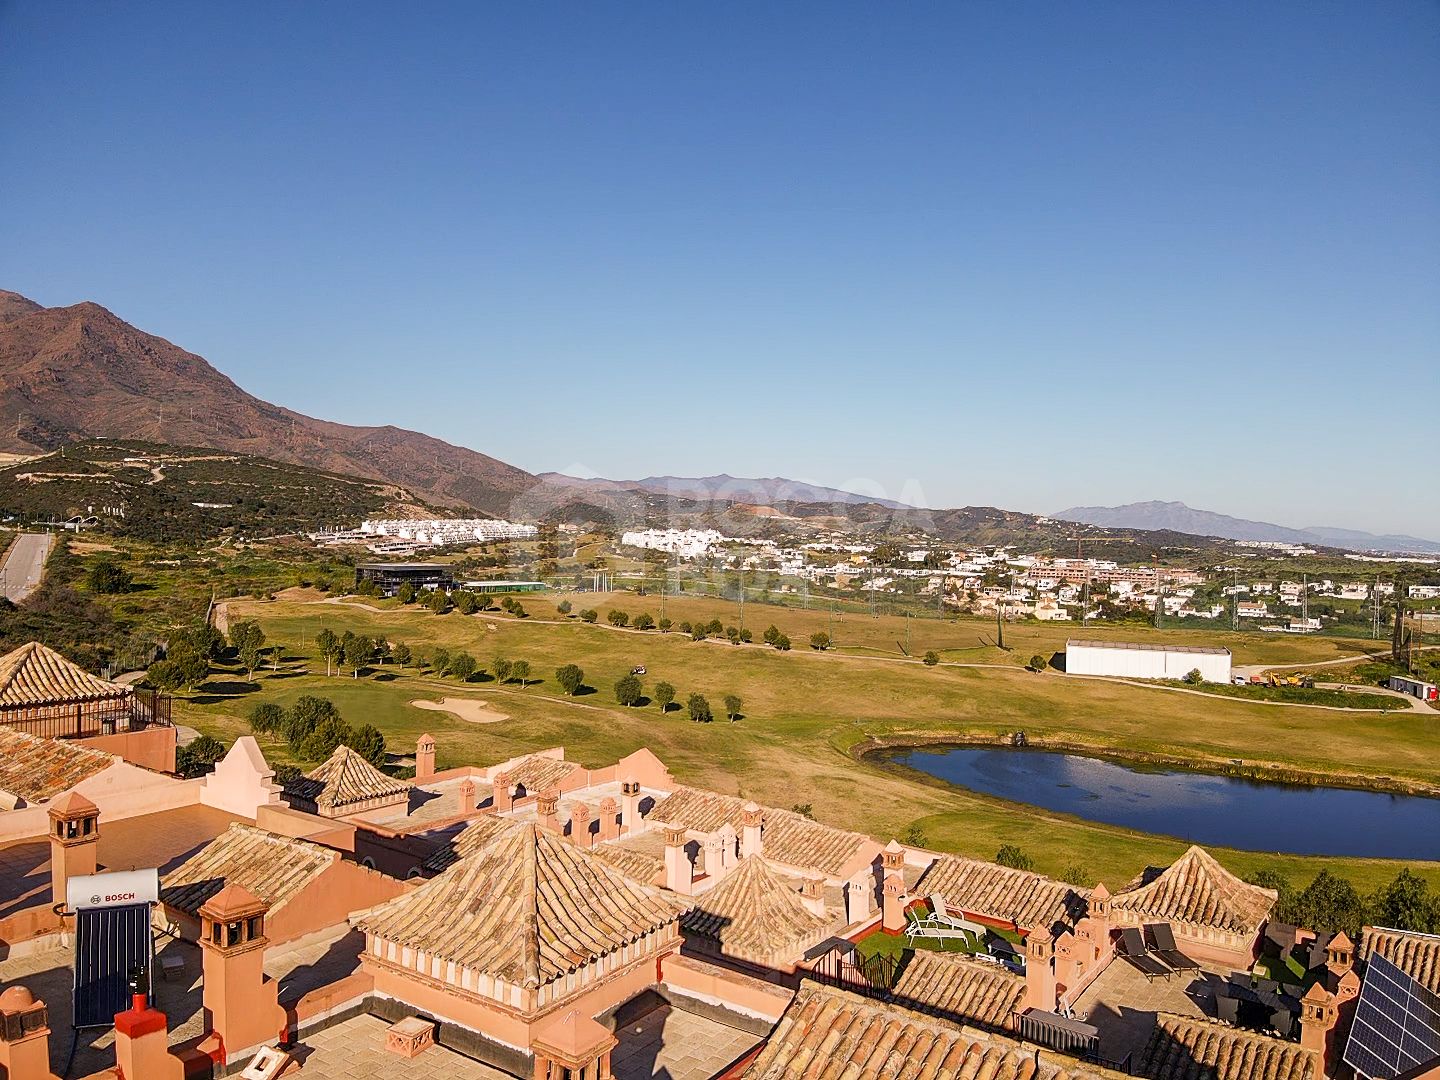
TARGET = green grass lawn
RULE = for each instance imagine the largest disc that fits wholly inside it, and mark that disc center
(803, 714)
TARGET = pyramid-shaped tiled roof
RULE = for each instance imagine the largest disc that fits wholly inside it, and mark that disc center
(959, 989)
(275, 868)
(1196, 889)
(35, 769)
(756, 914)
(345, 781)
(528, 908)
(478, 834)
(35, 675)
(1182, 1047)
(1003, 893)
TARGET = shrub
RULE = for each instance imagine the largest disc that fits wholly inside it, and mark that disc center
(698, 632)
(665, 625)
(1193, 677)
(199, 757)
(109, 578)
(932, 658)
(1013, 857)
(643, 621)
(570, 677)
(617, 618)
(1038, 663)
(804, 809)
(914, 835)
(563, 607)
(820, 641)
(589, 615)
(685, 628)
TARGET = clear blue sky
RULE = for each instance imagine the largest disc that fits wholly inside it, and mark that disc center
(1026, 254)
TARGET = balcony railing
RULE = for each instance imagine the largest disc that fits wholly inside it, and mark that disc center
(89, 719)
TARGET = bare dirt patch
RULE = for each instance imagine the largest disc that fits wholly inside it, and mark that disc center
(471, 710)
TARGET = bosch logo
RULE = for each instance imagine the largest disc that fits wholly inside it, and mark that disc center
(94, 899)
(115, 898)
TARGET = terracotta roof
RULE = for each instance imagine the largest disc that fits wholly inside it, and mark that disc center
(468, 841)
(961, 990)
(829, 1033)
(755, 914)
(538, 773)
(788, 837)
(1196, 889)
(34, 675)
(1002, 893)
(527, 908)
(639, 865)
(1186, 1047)
(1418, 955)
(274, 868)
(36, 769)
(345, 779)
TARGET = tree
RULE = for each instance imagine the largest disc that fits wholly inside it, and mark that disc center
(329, 646)
(570, 677)
(406, 593)
(771, 635)
(267, 718)
(503, 669)
(804, 809)
(518, 610)
(462, 666)
(699, 709)
(330, 733)
(589, 615)
(783, 643)
(359, 649)
(563, 607)
(520, 669)
(401, 653)
(108, 578)
(628, 691)
(302, 718)
(182, 667)
(467, 604)
(820, 640)
(440, 661)
(250, 652)
(732, 635)
(665, 625)
(914, 835)
(1011, 856)
(1406, 904)
(1075, 874)
(617, 618)
(732, 707)
(699, 631)
(746, 637)
(643, 621)
(663, 695)
(438, 601)
(714, 627)
(1039, 663)
(1193, 677)
(367, 741)
(685, 628)
(1332, 903)
(932, 658)
(199, 757)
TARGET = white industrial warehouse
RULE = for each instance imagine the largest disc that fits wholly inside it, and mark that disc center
(1132, 660)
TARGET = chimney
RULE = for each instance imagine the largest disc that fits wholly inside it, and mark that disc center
(241, 1009)
(860, 897)
(503, 797)
(24, 1035)
(1101, 910)
(74, 832)
(630, 806)
(729, 844)
(752, 819)
(893, 857)
(715, 867)
(609, 819)
(546, 807)
(1318, 1014)
(1339, 954)
(142, 1044)
(892, 914)
(812, 891)
(678, 871)
(1039, 972)
(580, 824)
(424, 757)
(467, 796)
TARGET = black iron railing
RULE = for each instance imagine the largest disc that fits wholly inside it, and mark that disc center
(89, 719)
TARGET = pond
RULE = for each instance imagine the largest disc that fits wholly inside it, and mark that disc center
(1221, 811)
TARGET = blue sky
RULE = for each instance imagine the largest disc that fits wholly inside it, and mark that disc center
(1029, 255)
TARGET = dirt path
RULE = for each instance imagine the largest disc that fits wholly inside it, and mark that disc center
(471, 710)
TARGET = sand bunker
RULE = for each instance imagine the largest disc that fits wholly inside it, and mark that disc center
(471, 710)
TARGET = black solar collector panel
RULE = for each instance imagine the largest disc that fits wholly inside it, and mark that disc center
(1397, 1024)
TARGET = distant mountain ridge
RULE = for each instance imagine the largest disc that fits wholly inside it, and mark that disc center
(73, 373)
(722, 487)
(1177, 517)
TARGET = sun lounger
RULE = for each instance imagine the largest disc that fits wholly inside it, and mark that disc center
(1132, 948)
(1162, 941)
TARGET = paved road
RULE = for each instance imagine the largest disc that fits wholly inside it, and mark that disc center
(25, 565)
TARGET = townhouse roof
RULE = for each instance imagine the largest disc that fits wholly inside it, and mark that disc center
(274, 868)
(36, 769)
(827, 1033)
(35, 675)
(1196, 889)
(756, 914)
(345, 781)
(468, 841)
(633, 863)
(1003, 893)
(538, 773)
(959, 989)
(527, 908)
(1140, 646)
(1416, 954)
(1184, 1047)
(788, 837)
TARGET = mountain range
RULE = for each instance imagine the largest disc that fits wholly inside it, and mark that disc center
(1178, 517)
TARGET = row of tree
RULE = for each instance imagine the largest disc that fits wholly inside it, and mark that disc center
(630, 692)
(313, 728)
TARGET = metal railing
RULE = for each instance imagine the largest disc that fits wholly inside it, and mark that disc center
(89, 719)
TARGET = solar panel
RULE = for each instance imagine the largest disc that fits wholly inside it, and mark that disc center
(1397, 1024)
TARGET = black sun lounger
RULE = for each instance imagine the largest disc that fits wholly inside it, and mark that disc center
(1132, 948)
(1162, 938)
